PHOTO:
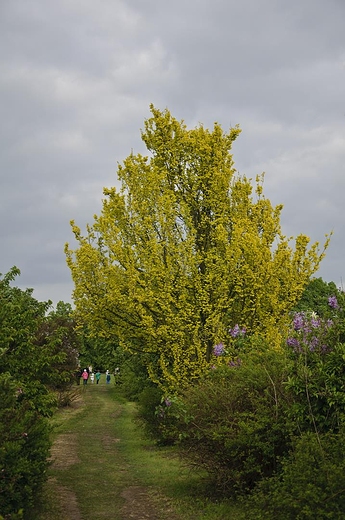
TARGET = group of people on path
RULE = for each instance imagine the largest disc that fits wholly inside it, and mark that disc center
(88, 373)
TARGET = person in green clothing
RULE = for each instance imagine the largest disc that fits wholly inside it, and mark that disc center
(98, 377)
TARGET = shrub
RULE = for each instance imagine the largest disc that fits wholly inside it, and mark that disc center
(134, 378)
(68, 397)
(316, 372)
(238, 423)
(24, 449)
(310, 484)
(148, 401)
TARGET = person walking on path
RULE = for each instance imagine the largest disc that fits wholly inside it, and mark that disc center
(85, 376)
(116, 374)
(92, 377)
(107, 377)
(98, 377)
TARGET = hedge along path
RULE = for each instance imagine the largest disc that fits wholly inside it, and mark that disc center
(90, 476)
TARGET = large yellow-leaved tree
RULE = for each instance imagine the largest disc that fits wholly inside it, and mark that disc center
(185, 250)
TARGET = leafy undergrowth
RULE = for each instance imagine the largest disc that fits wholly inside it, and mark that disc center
(103, 466)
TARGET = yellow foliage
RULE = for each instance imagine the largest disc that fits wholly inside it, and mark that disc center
(184, 251)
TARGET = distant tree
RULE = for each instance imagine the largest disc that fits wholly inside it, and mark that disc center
(184, 251)
(38, 348)
(97, 351)
(59, 335)
(315, 296)
(21, 318)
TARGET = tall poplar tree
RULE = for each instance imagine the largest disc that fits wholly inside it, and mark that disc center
(186, 249)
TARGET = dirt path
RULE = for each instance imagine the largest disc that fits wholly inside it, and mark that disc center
(88, 467)
(64, 455)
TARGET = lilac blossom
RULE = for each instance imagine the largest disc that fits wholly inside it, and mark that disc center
(235, 363)
(218, 349)
(333, 302)
(315, 322)
(307, 328)
(313, 344)
(167, 401)
(298, 321)
(325, 348)
(236, 331)
(294, 343)
(309, 333)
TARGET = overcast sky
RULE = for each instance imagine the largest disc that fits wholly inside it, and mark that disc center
(76, 81)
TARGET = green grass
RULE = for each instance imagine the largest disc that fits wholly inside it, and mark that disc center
(111, 455)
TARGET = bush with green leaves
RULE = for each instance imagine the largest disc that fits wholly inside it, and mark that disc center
(37, 360)
(24, 450)
(148, 401)
(309, 485)
(234, 423)
(133, 377)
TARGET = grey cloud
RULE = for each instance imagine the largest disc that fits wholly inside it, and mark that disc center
(76, 80)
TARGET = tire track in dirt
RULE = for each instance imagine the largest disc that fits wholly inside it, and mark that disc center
(64, 455)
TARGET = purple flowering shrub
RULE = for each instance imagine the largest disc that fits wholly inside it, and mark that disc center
(219, 349)
(316, 353)
(309, 481)
(310, 333)
(237, 332)
(333, 302)
(237, 340)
